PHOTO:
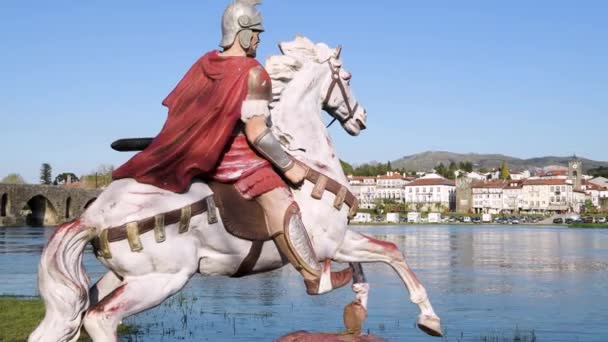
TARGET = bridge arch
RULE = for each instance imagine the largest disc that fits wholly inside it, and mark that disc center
(39, 211)
(68, 208)
(4, 205)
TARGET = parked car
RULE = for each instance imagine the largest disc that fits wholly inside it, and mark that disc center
(588, 219)
(558, 220)
(466, 219)
(476, 220)
(569, 221)
(601, 220)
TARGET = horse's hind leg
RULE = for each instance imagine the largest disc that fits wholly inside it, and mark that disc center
(360, 248)
(136, 294)
(103, 287)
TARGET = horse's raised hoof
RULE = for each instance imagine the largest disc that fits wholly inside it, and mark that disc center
(354, 315)
(430, 325)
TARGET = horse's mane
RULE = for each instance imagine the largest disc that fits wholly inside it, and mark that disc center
(295, 55)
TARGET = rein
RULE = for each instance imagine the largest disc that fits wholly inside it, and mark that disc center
(337, 80)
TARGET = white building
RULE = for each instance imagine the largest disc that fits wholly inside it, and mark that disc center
(551, 194)
(431, 191)
(488, 197)
(594, 193)
(390, 186)
(473, 175)
(513, 196)
(520, 175)
(364, 188)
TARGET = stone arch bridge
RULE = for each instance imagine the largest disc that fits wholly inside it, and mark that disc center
(42, 205)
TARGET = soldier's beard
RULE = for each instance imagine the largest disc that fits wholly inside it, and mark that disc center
(251, 52)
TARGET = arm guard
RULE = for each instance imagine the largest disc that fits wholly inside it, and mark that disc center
(267, 145)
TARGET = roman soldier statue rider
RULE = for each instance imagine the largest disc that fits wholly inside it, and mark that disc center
(217, 129)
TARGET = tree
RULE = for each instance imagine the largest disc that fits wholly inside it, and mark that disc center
(65, 177)
(440, 169)
(504, 171)
(599, 172)
(388, 166)
(451, 171)
(13, 178)
(468, 167)
(46, 174)
(589, 207)
(346, 167)
(99, 178)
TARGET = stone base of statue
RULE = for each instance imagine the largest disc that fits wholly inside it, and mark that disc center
(304, 336)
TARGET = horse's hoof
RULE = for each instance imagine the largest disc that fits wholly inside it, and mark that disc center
(430, 325)
(354, 315)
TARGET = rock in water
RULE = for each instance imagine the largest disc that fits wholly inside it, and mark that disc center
(304, 336)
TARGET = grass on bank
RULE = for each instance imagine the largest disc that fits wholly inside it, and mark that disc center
(20, 316)
(588, 225)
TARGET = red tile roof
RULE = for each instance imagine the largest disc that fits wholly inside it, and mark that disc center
(492, 184)
(591, 186)
(431, 181)
(545, 182)
(554, 173)
(395, 175)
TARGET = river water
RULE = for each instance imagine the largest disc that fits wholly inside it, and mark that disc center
(487, 283)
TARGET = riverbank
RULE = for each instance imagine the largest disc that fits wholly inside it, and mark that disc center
(589, 225)
(19, 316)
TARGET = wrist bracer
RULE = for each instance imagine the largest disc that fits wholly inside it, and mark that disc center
(267, 145)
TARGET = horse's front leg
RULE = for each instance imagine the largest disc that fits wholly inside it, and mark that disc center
(355, 312)
(361, 248)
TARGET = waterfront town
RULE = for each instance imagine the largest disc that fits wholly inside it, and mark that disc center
(551, 191)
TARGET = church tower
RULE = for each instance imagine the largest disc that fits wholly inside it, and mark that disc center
(575, 173)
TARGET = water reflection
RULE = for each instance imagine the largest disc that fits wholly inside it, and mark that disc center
(480, 279)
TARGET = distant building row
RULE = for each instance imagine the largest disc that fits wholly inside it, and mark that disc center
(553, 191)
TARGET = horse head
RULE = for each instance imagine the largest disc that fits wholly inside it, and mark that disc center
(334, 94)
(309, 78)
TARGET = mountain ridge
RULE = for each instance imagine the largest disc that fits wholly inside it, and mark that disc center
(427, 160)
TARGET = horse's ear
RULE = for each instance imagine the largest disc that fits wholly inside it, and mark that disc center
(338, 51)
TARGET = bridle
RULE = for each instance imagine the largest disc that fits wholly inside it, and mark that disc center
(337, 80)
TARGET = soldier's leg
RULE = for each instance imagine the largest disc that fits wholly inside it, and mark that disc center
(285, 225)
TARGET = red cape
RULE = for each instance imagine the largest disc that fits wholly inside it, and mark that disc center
(203, 111)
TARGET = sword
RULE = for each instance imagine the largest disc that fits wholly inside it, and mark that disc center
(131, 144)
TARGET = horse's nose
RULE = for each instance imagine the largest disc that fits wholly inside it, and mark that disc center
(361, 121)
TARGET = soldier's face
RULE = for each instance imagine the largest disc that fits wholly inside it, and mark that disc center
(253, 47)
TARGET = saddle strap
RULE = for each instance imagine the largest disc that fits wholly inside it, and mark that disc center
(323, 183)
(132, 230)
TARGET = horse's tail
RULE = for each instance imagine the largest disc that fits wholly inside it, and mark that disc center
(63, 283)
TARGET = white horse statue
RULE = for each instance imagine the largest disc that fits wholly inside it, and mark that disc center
(145, 269)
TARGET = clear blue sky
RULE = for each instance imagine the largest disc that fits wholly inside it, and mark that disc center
(523, 78)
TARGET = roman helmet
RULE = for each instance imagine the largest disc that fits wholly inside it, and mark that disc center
(240, 15)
